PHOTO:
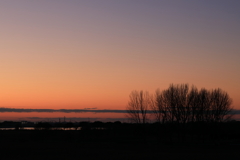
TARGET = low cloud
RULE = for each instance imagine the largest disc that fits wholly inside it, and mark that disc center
(93, 110)
(236, 111)
(90, 108)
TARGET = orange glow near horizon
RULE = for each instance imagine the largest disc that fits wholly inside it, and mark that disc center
(86, 54)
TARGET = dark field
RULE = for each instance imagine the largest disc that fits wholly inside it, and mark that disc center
(98, 144)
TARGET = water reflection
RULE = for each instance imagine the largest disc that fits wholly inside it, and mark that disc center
(32, 128)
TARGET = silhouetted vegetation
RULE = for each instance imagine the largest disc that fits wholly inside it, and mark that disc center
(138, 106)
(180, 104)
(182, 113)
(170, 121)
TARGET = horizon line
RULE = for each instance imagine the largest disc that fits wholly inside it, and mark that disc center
(93, 110)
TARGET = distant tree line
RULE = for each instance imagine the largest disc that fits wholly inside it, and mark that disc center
(84, 125)
(180, 104)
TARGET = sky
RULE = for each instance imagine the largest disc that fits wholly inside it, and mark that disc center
(91, 54)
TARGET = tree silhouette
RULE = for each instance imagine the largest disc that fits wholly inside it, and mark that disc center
(138, 106)
(220, 105)
(159, 108)
(182, 104)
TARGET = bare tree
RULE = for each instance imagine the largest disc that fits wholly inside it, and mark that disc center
(160, 108)
(193, 104)
(138, 106)
(203, 103)
(176, 104)
(182, 104)
(220, 105)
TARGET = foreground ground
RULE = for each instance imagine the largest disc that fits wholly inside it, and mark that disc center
(61, 145)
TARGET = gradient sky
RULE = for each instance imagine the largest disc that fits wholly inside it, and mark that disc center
(90, 53)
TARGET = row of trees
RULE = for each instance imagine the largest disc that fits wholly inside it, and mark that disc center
(180, 104)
